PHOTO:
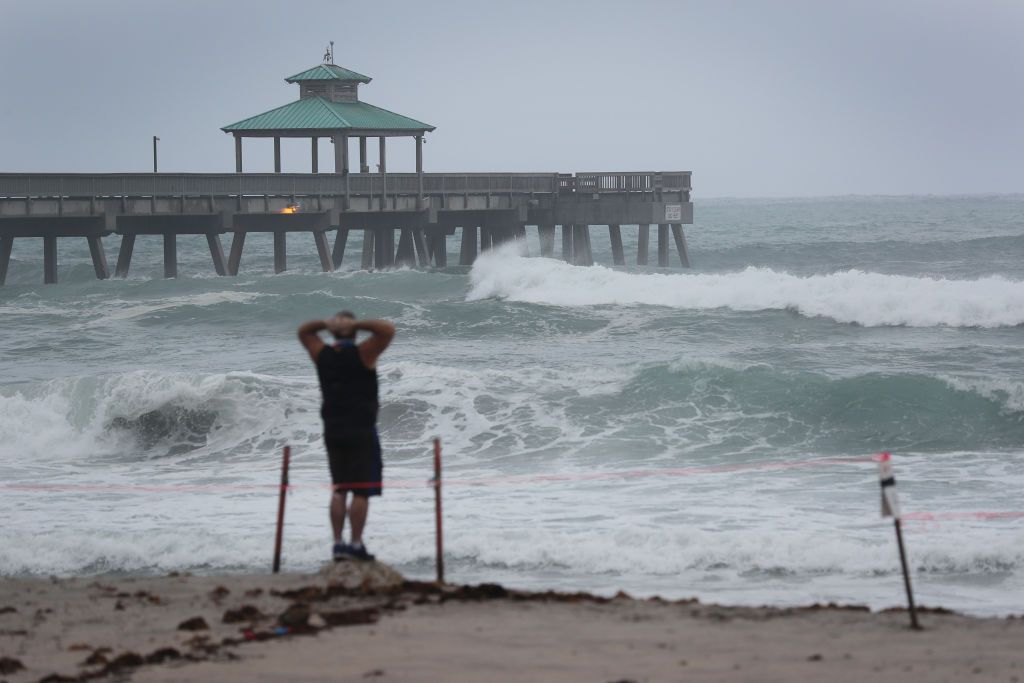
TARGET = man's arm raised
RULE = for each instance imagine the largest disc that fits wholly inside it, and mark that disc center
(382, 332)
(309, 336)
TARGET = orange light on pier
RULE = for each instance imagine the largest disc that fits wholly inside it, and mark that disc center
(291, 208)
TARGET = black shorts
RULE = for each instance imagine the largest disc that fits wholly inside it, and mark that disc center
(356, 463)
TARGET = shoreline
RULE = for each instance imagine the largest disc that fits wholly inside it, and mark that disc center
(273, 627)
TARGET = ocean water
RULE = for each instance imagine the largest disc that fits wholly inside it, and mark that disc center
(685, 433)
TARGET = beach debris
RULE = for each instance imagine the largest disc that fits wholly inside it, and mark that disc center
(815, 658)
(373, 673)
(162, 655)
(76, 647)
(8, 610)
(297, 614)
(197, 642)
(317, 621)
(194, 624)
(219, 593)
(10, 665)
(57, 678)
(304, 594)
(128, 660)
(484, 591)
(352, 617)
(97, 658)
(281, 630)
(243, 613)
(119, 606)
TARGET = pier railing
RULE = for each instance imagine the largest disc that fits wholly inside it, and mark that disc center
(25, 185)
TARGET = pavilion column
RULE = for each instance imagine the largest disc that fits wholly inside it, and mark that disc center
(383, 167)
(341, 152)
(344, 165)
(238, 153)
(277, 154)
(419, 166)
(363, 168)
(316, 154)
(344, 153)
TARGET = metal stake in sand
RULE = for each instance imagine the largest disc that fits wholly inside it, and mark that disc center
(286, 456)
(436, 481)
(891, 508)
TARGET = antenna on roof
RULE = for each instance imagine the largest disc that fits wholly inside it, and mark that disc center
(329, 54)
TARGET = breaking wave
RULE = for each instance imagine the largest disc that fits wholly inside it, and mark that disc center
(144, 414)
(852, 296)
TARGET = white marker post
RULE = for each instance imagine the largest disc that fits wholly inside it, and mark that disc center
(891, 508)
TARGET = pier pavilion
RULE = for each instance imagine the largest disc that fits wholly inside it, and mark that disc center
(425, 208)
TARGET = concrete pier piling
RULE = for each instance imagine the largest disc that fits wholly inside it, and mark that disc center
(406, 255)
(546, 235)
(124, 255)
(50, 259)
(582, 254)
(615, 237)
(170, 255)
(216, 253)
(384, 248)
(485, 209)
(323, 250)
(6, 244)
(280, 252)
(368, 250)
(338, 254)
(680, 238)
(643, 244)
(235, 257)
(419, 242)
(486, 238)
(438, 246)
(663, 246)
(468, 252)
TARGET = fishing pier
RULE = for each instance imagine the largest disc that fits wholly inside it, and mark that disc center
(484, 210)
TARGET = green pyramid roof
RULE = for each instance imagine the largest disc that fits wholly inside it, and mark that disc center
(317, 113)
(327, 72)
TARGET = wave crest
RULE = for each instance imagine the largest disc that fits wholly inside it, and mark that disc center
(852, 296)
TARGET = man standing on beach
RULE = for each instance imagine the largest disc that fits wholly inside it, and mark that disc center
(348, 382)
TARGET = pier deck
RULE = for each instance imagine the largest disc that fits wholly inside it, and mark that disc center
(489, 208)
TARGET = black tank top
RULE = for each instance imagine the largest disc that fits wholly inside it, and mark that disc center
(349, 390)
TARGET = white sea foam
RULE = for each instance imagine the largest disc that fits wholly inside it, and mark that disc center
(853, 296)
(1006, 392)
(77, 418)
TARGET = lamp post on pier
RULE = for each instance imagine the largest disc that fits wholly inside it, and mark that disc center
(155, 140)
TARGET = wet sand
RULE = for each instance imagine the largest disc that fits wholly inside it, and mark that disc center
(354, 622)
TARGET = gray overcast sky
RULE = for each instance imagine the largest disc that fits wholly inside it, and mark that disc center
(756, 98)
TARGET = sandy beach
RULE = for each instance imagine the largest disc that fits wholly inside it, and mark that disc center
(353, 622)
